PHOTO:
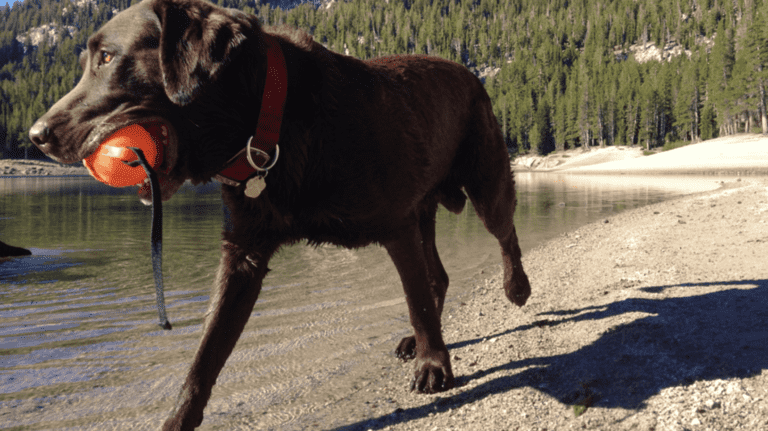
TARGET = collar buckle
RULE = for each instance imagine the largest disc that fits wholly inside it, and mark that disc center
(260, 153)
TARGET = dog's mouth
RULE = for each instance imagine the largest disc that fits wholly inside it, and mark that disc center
(164, 134)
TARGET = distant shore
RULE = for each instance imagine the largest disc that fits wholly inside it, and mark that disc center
(742, 154)
(39, 168)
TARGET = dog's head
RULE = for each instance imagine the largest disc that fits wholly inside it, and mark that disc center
(148, 65)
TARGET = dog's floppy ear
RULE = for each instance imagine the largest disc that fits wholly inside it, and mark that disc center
(198, 39)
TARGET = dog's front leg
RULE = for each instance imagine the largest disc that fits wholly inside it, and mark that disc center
(432, 364)
(238, 283)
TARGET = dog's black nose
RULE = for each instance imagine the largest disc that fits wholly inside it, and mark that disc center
(39, 134)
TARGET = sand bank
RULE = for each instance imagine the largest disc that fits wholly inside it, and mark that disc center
(743, 154)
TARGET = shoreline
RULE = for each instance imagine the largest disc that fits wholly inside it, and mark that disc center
(743, 154)
(20, 168)
(651, 319)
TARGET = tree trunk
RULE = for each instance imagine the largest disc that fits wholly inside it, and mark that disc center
(648, 134)
(661, 138)
(763, 117)
(656, 126)
(612, 127)
(764, 121)
(600, 127)
(695, 134)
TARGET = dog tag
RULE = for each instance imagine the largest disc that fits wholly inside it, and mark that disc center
(255, 186)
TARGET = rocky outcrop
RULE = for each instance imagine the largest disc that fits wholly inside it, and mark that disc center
(46, 32)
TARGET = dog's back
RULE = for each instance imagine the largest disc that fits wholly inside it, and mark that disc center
(395, 130)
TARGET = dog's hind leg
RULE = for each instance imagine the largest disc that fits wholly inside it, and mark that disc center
(490, 186)
(433, 367)
(438, 278)
(238, 283)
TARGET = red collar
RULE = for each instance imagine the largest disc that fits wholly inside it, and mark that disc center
(264, 142)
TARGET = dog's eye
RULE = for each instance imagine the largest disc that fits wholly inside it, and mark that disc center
(106, 57)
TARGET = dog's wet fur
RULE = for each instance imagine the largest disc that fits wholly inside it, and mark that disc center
(368, 149)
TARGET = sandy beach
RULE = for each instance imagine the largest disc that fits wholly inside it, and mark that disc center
(650, 320)
(743, 154)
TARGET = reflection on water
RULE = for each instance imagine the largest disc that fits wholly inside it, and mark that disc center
(87, 291)
(551, 204)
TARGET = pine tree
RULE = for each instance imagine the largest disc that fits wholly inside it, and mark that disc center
(585, 103)
(755, 53)
(541, 134)
(721, 68)
(688, 103)
(708, 122)
(649, 111)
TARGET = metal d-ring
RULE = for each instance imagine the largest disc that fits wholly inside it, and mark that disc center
(263, 154)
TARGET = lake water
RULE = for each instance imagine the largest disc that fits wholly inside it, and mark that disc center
(88, 287)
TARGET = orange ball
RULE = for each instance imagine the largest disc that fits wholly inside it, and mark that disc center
(106, 164)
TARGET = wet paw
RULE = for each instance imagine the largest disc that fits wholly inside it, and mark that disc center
(432, 377)
(518, 290)
(406, 349)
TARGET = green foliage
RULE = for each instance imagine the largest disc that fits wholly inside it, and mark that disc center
(671, 145)
(708, 123)
(541, 133)
(579, 410)
(566, 77)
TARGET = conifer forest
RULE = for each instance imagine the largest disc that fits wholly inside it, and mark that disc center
(561, 74)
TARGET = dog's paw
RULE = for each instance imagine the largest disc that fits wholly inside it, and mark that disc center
(432, 376)
(518, 290)
(406, 349)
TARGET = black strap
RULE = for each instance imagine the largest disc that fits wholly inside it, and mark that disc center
(157, 234)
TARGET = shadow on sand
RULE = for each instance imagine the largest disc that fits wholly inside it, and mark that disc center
(719, 335)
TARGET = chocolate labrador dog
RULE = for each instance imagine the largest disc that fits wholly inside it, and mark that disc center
(356, 152)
